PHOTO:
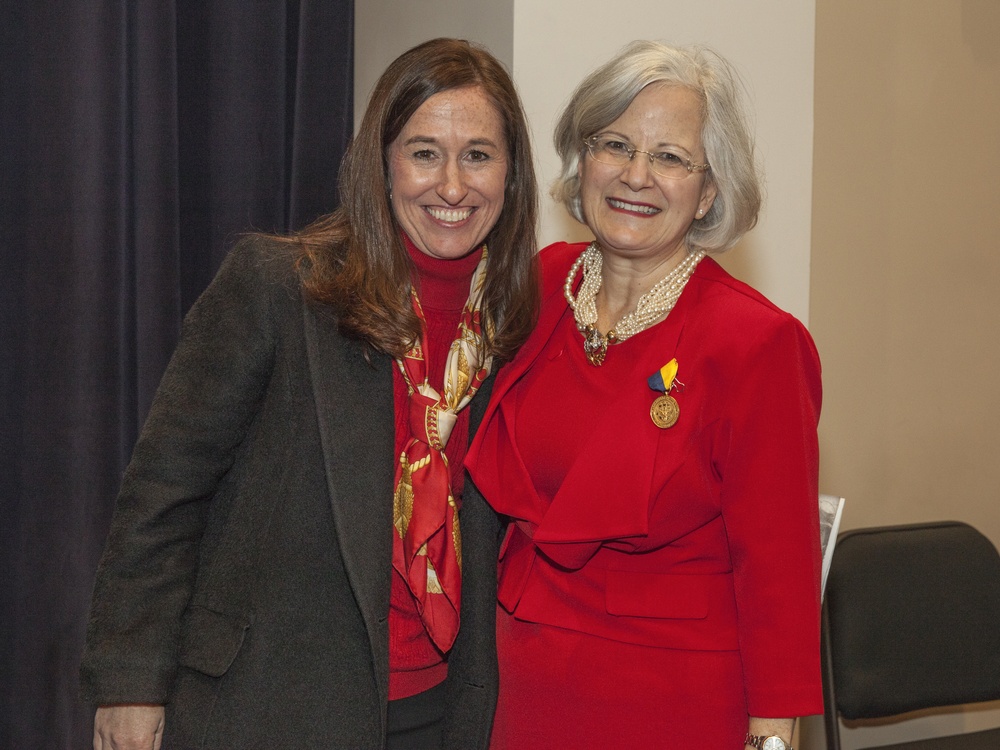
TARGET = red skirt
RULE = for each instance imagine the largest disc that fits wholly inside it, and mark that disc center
(561, 688)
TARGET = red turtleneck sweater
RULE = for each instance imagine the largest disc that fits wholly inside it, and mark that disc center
(415, 664)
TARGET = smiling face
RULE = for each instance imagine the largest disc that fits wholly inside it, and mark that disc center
(633, 212)
(448, 169)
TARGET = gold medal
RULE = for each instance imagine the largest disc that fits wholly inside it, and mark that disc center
(664, 411)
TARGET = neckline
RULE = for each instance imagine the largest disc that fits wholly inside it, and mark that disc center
(442, 284)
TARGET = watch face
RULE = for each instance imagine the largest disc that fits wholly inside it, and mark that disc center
(773, 743)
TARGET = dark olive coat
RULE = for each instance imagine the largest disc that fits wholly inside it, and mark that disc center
(246, 579)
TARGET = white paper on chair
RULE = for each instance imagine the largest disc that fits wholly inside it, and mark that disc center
(830, 510)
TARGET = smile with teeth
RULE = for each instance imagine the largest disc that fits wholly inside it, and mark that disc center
(624, 206)
(450, 215)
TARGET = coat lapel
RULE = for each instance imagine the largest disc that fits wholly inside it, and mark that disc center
(492, 441)
(595, 504)
(509, 374)
(354, 406)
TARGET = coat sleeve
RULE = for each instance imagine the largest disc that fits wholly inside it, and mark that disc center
(202, 410)
(768, 459)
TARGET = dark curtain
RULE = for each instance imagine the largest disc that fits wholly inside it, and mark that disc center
(138, 138)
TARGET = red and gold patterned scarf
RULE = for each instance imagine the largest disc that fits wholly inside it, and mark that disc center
(427, 550)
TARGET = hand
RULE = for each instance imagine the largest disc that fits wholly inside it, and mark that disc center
(128, 727)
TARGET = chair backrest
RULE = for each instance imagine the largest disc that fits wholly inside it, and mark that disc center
(912, 619)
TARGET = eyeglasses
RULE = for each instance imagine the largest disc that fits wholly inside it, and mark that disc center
(607, 149)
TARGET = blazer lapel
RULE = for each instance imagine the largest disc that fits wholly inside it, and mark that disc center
(510, 373)
(490, 441)
(595, 504)
(354, 406)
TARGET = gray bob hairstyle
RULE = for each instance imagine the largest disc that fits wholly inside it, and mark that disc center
(606, 93)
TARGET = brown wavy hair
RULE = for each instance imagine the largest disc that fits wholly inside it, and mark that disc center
(354, 259)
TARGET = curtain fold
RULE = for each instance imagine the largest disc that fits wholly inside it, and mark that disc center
(137, 140)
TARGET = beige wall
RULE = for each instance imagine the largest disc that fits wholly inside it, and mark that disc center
(906, 258)
(384, 29)
(905, 298)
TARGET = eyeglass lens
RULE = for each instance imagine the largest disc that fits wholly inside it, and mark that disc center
(619, 153)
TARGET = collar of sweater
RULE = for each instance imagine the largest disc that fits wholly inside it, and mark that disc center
(442, 284)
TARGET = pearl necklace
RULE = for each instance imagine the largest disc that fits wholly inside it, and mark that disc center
(652, 306)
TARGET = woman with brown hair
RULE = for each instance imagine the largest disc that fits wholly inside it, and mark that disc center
(286, 564)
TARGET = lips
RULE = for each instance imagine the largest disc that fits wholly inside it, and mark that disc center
(449, 215)
(638, 208)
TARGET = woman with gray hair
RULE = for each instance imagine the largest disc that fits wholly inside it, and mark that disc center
(654, 442)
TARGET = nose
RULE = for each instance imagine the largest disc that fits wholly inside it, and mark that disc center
(637, 173)
(452, 187)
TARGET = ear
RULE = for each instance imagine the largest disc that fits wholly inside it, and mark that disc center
(708, 193)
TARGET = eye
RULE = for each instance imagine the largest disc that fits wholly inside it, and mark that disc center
(478, 156)
(614, 146)
(424, 155)
(668, 159)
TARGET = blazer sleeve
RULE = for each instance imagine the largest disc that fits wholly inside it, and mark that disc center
(202, 410)
(769, 461)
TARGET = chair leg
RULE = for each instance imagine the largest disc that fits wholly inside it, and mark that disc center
(830, 718)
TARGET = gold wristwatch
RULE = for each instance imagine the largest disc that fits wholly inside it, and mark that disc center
(770, 742)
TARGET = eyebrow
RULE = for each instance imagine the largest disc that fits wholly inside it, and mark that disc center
(432, 140)
(661, 144)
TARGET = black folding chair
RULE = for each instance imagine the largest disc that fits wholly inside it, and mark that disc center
(911, 620)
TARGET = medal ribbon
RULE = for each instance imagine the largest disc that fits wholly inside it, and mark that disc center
(427, 548)
(663, 379)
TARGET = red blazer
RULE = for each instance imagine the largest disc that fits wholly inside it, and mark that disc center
(703, 536)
